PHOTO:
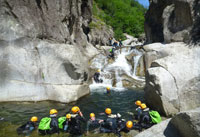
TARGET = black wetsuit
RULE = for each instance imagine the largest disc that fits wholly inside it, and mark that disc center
(93, 126)
(96, 77)
(145, 119)
(110, 125)
(27, 128)
(120, 43)
(122, 127)
(54, 126)
(75, 125)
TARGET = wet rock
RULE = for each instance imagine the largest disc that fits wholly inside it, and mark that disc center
(128, 81)
(172, 21)
(172, 82)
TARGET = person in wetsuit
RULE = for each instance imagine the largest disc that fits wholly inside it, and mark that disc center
(27, 128)
(138, 110)
(49, 125)
(75, 122)
(96, 76)
(112, 54)
(145, 119)
(110, 125)
(93, 125)
(64, 122)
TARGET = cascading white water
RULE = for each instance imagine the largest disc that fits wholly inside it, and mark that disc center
(136, 60)
(112, 72)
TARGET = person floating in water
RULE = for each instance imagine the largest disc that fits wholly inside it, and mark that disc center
(27, 128)
(97, 76)
(93, 125)
(107, 90)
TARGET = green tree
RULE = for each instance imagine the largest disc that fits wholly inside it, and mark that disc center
(125, 16)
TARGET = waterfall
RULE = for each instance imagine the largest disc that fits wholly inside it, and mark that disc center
(136, 61)
(114, 71)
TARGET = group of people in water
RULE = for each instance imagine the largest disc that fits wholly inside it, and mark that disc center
(72, 122)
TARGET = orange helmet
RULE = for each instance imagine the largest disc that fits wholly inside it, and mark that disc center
(34, 119)
(108, 88)
(92, 115)
(143, 106)
(75, 109)
(68, 116)
(108, 111)
(53, 111)
(138, 102)
(129, 124)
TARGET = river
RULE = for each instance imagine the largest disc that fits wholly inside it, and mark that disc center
(17, 113)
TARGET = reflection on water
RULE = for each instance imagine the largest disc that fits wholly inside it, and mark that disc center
(16, 113)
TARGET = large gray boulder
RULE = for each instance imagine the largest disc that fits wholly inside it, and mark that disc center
(41, 70)
(44, 49)
(172, 21)
(172, 82)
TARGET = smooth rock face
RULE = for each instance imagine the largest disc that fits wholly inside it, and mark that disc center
(44, 49)
(39, 70)
(172, 82)
(172, 21)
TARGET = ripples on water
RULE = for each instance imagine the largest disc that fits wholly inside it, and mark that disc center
(16, 113)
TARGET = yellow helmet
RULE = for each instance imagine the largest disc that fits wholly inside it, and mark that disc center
(75, 109)
(108, 111)
(68, 116)
(92, 115)
(129, 124)
(108, 88)
(143, 106)
(138, 102)
(53, 111)
(34, 119)
(98, 70)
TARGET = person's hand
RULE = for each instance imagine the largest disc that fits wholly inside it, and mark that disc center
(100, 121)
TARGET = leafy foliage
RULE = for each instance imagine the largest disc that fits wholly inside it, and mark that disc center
(125, 16)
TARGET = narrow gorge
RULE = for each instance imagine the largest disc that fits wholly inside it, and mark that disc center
(50, 50)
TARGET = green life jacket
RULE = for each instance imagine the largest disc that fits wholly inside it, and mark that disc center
(44, 123)
(61, 120)
(155, 117)
(110, 50)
